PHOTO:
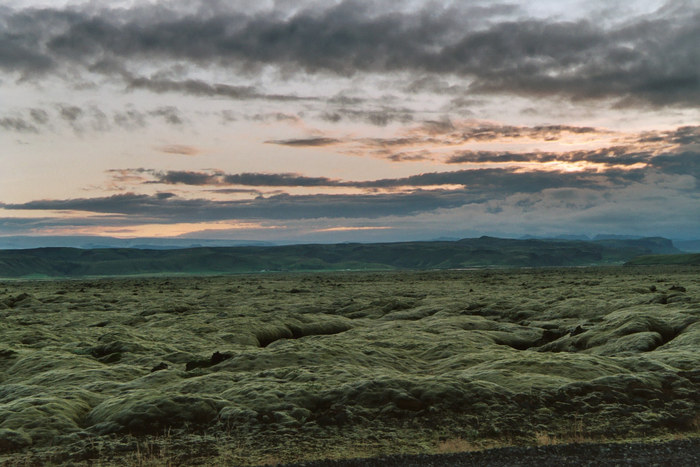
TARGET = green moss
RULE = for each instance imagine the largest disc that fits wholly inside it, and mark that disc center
(489, 354)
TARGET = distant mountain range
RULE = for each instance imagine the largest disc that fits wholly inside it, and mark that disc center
(159, 243)
(466, 253)
(689, 246)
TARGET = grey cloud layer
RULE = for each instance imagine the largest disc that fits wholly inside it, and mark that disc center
(678, 163)
(202, 88)
(624, 156)
(17, 124)
(672, 151)
(304, 142)
(485, 193)
(496, 181)
(165, 207)
(445, 132)
(89, 117)
(648, 61)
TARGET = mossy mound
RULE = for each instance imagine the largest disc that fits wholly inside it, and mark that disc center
(44, 415)
(144, 412)
(626, 332)
(13, 440)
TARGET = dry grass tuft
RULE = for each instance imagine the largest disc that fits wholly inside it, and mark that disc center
(459, 444)
(270, 459)
(451, 445)
(695, 424)
(575, 435)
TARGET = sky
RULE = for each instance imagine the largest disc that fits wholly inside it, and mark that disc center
(349, 120)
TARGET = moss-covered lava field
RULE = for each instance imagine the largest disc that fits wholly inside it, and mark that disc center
(252, 369)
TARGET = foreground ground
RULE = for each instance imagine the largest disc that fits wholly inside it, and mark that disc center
(285, 368)
(678, 453)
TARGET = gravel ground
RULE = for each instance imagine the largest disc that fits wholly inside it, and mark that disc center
(679, 453)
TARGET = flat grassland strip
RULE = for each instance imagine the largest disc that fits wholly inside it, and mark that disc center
(256, 369)
(689, 259)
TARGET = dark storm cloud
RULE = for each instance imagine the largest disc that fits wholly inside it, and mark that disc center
(236, 191)
(649, 60)
(70, 113)
(81, 119)
(23, 35)
(380, 117)
(410, 157)
(90, 117)
(684, 135)
(275, 180)
(445, 133)
(130, 119)
(435, 85)
(619, 155)
(202, 88)
(174, 177)
(117, 204)
(480, 157)
(170, 115)
(491, 132)
(27, 121)
(477, 187)
(305, 142)
(419, 143)
(17, 124)
(672, 163)
(441, 133)
(686, 163)
(181, 177)
(265, 117)
(486, 190)
(608, 156)
(39, 116)
(497, 181)
(78, 118)
(283, 206)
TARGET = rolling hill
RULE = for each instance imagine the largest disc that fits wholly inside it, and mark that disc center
(466, 253)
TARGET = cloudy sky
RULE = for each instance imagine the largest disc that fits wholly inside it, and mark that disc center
(341, 120)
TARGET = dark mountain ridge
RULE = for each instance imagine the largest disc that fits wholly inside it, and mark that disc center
(466, 253)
